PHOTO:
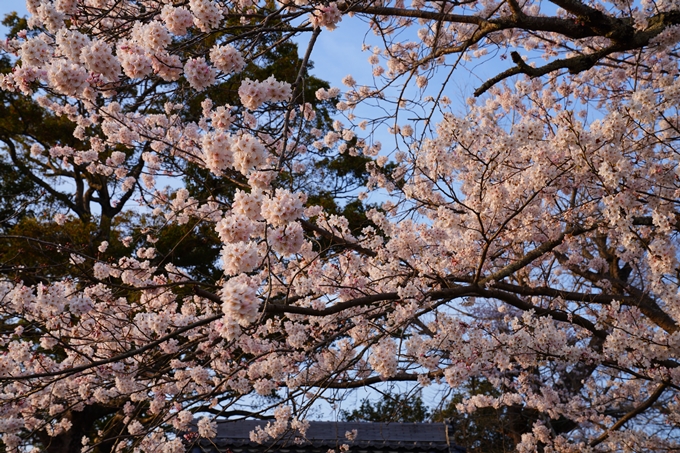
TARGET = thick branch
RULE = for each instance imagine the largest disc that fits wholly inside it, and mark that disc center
(638, 410)
(441, 294)
(532, 255)
(416, 14)
(604, 299)
(377, 379)
(648, 221)
(557, 315)
(647, 305)
(574, 65)
(276, 308)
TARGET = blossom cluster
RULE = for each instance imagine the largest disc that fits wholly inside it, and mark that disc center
(253, 94)
(241, 303)
(326, 16)
(525, 243)
(227, 59)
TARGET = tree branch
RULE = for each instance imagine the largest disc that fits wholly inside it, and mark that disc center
(336, 239)
(638, 410)
(117, 358)
(647, 305)
(574, 65)
(26, 171)
(532, 255)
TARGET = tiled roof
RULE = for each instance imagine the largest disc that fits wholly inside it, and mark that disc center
(234, 437)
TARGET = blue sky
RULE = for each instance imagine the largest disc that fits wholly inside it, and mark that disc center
(7, 6)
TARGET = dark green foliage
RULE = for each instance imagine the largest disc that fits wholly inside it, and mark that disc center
(337, 177)
(389, 408)
(15, 23)
(18, 196)
(347, 166)
(23, 123)
(487, 430)
(282, 62)
(194, 247)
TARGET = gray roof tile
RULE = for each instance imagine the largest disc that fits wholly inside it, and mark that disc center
(323, 436)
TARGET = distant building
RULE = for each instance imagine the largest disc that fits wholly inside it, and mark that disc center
(234, 437)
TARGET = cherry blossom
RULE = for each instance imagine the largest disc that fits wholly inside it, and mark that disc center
(526, 235)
